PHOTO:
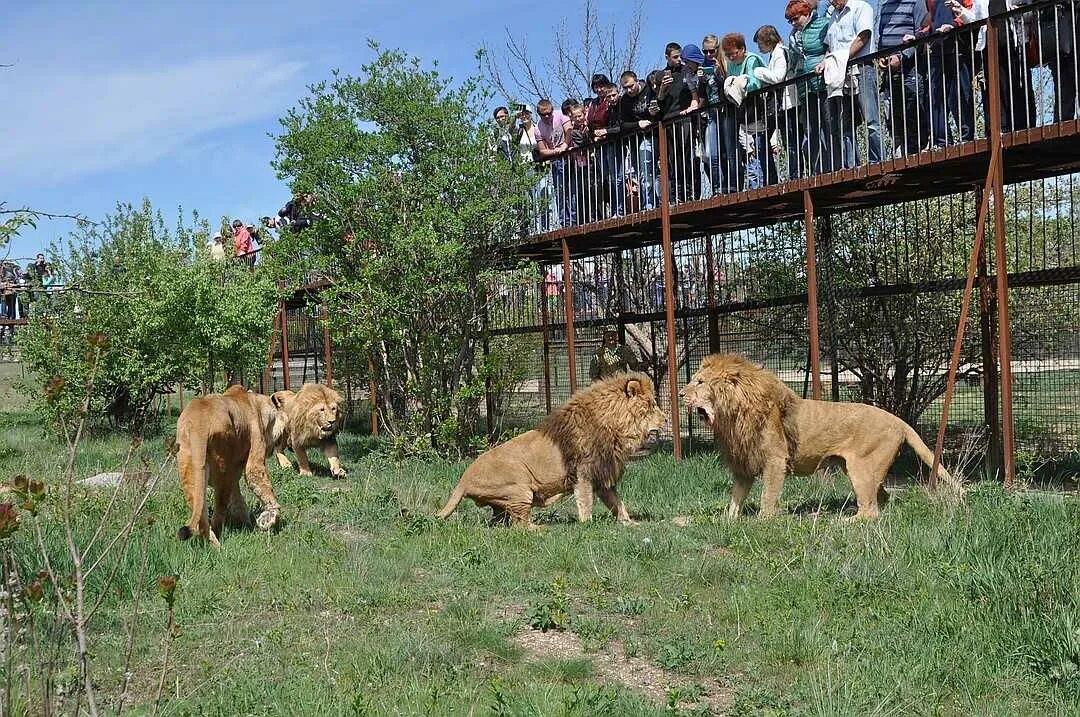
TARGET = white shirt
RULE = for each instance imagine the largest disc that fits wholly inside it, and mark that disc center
(848, 23)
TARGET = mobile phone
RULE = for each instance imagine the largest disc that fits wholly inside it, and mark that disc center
(708, 69)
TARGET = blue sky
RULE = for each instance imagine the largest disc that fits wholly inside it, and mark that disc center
(113, 101)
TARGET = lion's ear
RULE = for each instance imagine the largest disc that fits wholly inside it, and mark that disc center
(634, 388)
(280, 398)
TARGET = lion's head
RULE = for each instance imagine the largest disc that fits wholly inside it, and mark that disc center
(727, 386)
(313, 414)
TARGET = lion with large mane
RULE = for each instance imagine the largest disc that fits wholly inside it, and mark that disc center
(219, 437)
(764, 429)
(313, 417)
(583, 446)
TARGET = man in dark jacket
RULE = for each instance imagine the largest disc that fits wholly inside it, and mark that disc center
(637, 117)
(904, 74)
(611, 151)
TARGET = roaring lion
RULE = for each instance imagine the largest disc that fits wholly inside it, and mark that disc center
(764, 429)
(582, 446)
(219, 437)
(313, 417)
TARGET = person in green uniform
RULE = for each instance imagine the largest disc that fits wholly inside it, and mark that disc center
(612, 357)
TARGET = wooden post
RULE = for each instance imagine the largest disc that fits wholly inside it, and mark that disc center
(992, 174)
(328, 348)
(546, 338)
(992, 463)
(669, 299)
(568, 300)
(282, 313)
(812, 296)
(1000, 264)
(372, 399)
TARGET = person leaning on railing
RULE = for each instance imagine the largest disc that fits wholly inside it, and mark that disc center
(952, 73)
(638, 111)
(850, 36)
(678, 97)
(904, 85)
(781, 109)
(554, 131)
(808, 42)
(741, 65)
(611, 152)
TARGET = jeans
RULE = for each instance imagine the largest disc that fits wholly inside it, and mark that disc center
(682, 162)
(711, 140)
(905, 108)
(565, 200)
(612, 178)
(870, 105)
(951, 92)
(648, 176)
(794, 142)
(823, 143)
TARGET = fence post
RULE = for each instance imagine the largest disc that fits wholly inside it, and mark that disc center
(282, 312)
(669, 300)
(568, 300)
(990, 387)
(373, 399)
(546, 337)
(328, 348)
(812, 296)
(993, 72)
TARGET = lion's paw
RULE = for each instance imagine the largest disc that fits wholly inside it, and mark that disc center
(306, 474)
(339, 474)
(267, 519)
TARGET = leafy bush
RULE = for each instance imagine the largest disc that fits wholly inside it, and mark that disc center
(153, 306)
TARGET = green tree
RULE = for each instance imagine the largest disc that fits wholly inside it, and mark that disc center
(164, 313)
(410, 196)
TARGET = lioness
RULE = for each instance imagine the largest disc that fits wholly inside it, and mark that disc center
(582, 446)
(313, 418)
(765, 429)
(226, 435)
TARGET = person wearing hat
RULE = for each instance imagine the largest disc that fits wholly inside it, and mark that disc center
(612, 357)
(217, 247)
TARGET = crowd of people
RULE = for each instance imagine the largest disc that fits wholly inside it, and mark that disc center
(812, 104)
(247, 239)
(23, 291)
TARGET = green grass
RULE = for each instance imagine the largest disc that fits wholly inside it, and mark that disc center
(363, 604)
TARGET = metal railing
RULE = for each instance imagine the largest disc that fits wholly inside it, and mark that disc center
(926, 96)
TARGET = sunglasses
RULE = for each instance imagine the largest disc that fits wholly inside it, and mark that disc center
(709, 52)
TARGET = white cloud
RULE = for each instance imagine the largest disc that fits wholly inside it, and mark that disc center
(66, 123)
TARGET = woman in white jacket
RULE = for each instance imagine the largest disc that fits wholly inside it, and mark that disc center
(781, 106)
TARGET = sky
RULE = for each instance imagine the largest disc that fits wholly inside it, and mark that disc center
(175, 100)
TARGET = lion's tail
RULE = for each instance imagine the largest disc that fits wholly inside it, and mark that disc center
(192, 460)
(455, 498)
(923, 452)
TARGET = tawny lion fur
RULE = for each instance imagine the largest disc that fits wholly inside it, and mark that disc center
(764, 429)
(582, 447)
(219, 437)
(313, 417)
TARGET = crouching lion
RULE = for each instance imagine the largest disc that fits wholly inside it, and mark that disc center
(764, 429)
(313, 417)
(582, 446)
(219, 437)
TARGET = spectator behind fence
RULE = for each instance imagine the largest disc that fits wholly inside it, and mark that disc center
(611, 153)
(1058, 28)
(503, 139)
(741, 65)
(721, 129)
(298, 212)
(636, 112)
(808, 42)
(217, 247)
(952, 74)
(9, 298)
(244, 249)
(677, 96)
(782, 66)
(554, 131)
(904, 85)
(850, 36)
(581, 167)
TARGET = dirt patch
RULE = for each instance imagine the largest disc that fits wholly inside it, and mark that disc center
(613, 665)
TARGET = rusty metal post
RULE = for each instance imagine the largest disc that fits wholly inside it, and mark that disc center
(710, 292)
(373, 399)
(568, 300)
(485, 347)
(266, 384)
(181, 397)
(992, 175)
(812, 296)
(669, 299)
(992, 463)
(284, 347)
(1000, 264)
(328, 348)
(546, 338)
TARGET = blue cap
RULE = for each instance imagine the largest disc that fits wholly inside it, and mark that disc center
(693, 54)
